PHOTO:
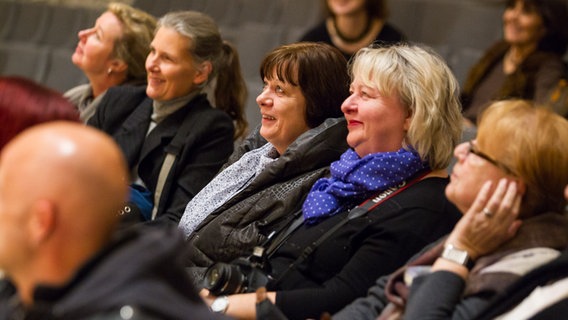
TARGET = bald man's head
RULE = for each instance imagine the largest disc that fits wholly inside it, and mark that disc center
(63, 183)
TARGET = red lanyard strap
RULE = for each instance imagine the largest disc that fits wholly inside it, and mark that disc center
(360, 210)
(372, 202)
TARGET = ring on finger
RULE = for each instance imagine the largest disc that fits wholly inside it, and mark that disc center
(487, 213)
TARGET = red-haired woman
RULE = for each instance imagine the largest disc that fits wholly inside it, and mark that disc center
(24, 103)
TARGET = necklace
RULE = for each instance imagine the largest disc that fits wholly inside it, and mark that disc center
(355, 39)
(514, 60)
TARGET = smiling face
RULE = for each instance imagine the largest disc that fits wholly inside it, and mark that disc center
(522, 25)
(283, 110)
(171, 68)
(94, 52)
(345, 7)
(376, 123)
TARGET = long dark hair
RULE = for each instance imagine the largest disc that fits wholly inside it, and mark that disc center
(554, 15)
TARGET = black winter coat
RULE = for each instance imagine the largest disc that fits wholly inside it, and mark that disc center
(272, 197)
(140, 270)
(124, 113)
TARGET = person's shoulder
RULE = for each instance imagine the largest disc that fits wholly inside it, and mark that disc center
(426, 194)
(391, 33)
(331, 129)
(198, 118)
(546, 58)
(77, 91)
(8, 298)
(7, 290)
(317, 33)
(127, 96)
(331, 124)
(494, 52)
(201, 105)
(127, 90)
(432, 184)
(429, 192)
(252, 141)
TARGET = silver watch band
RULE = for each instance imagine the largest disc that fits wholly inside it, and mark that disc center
(220, 304)
(457, 255)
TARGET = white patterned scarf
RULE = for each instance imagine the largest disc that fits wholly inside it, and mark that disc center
(226, 185)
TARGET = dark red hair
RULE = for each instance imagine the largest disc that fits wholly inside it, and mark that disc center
(24, 103)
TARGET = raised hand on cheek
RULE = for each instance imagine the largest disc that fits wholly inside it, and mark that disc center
(491, 221)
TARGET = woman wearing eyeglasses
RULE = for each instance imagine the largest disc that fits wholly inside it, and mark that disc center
(509, 184)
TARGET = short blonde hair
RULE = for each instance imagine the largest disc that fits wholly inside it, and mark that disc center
(426, 86)
(137, 34)
(532, 141)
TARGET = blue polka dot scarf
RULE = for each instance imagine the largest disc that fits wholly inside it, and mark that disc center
(354, 179)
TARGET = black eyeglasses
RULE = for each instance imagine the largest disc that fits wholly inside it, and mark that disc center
(473, 149)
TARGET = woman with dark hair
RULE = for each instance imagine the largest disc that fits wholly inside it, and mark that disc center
(24, 103)
(173, 138)
(267, 177)
(383, 200)
(352, 25)
(527, 63)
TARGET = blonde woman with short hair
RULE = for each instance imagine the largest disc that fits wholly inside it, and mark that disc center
(111, 53)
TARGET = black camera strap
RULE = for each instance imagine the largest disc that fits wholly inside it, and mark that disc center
(359, 211)
(296, 221)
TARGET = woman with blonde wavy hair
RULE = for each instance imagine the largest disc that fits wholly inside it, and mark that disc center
(384, 199)
(111, 53)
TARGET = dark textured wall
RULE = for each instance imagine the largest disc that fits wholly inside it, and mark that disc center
(37, 38)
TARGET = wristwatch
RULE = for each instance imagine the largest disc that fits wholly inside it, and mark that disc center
(458, 256)
(220, 304)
